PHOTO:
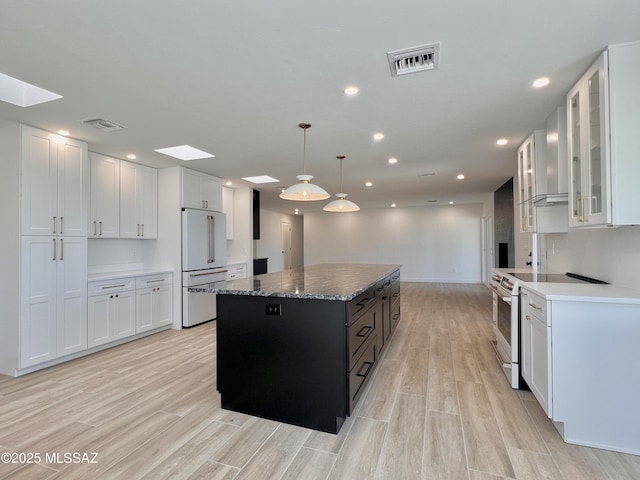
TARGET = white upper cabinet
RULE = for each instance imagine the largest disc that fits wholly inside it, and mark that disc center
(531, 177)
(105, 197)
(200, 190)
(55, 184)
(603, 121)
(124, 199)
(138, 201)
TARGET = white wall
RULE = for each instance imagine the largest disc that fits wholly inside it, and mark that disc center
(433, 244)
(610, 254)
(270, 243)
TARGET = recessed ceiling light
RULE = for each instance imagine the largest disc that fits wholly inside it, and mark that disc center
(368, 184)
(393, 160)
(185, 152)
(23, 94)
(351, 90)
(460, 176)
(502, 141)
(393, 205)
(261, 179)
(378, 136)
(450, 203)
(64, 133)
(541, 82)
(229, 183)
(296, 211)
(132, 156)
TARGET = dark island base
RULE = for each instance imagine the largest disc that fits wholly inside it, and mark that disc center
(302, 361)
(289, 367)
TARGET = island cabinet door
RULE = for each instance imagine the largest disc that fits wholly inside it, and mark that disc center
(284, 359)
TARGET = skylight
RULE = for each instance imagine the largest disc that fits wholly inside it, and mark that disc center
(261, 179)
(23, 94)
(185, 152)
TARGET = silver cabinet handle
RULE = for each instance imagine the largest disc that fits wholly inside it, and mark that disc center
(95, 228)
(54, 224)
(142, 229)
(55, 254)
(61, 225)
(100, 224)
(113, 286)
(61, 249)
(535, 306)
(137, 229)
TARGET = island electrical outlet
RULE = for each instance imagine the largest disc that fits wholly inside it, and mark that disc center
(274, 309)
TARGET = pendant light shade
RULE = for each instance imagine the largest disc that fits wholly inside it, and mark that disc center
(304, 191)
(342, 204)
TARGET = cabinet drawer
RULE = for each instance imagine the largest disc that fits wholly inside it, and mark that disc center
(359, 333)
(360, 303)
(114, 285)
(361, 372)
(237, 271)
(395, 292)
(537, 307)
(395, 315)
(154, 280)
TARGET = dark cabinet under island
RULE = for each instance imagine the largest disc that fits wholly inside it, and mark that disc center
(300, 346)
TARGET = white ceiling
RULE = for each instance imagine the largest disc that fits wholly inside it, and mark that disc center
(236, 77)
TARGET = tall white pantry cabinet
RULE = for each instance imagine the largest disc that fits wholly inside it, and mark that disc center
(43, 254)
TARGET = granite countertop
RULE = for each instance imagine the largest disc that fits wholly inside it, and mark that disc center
(577, 292)
(323, 282)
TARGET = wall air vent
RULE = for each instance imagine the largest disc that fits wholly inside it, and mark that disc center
(102, 124)
(415, 59)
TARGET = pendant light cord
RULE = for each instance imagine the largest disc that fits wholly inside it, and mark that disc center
(341, 157)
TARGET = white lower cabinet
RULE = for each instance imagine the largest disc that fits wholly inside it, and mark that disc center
(122, 307)
(112, 314)
(154, 304)
(53, 299)
(536, 348)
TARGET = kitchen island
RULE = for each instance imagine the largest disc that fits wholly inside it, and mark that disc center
(300, 346)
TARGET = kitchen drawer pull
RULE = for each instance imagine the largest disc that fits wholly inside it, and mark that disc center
(206, 273)
(156, 281)
(113, 286)
(364, 331)
(533, 305)
(364, 302)
(367, 366)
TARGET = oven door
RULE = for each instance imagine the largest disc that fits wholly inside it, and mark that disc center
(506, 328)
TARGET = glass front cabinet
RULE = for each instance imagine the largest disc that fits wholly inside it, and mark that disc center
(603, 121)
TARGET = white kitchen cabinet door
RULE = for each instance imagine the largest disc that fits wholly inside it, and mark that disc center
(588, 143)
(212, 193)
(138, 201)
(73, 188)
(540, 371)
(111, 317)
(105, 197)
(71, 316)
(153, 307)
(191, 189)
(38, 285)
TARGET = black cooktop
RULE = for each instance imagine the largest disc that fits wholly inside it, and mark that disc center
(555, 278)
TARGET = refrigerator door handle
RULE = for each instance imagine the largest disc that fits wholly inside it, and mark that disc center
(212, 239)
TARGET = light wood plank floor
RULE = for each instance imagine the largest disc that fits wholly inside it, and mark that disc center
(438, 408)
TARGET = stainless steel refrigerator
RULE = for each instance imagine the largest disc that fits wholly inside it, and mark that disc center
(204, 260)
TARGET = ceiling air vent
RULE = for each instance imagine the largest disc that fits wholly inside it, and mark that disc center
(102, 124)
(415, 59)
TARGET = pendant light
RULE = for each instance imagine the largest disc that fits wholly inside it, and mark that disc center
(342, 204)
(304, 191)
